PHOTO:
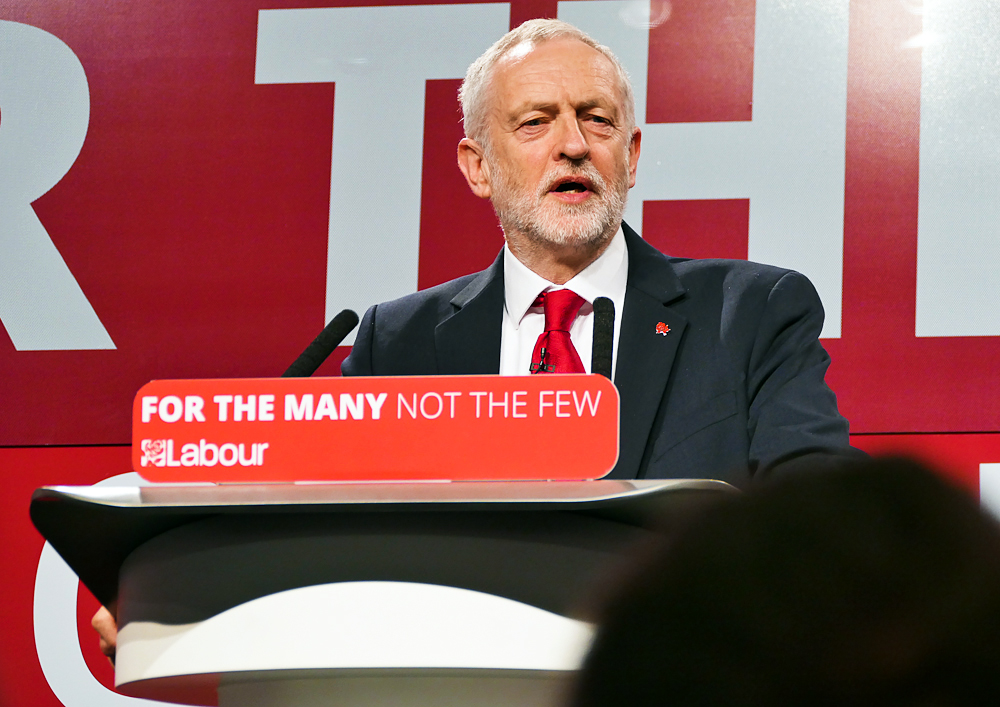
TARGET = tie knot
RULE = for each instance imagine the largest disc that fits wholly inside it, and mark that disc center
(561, 307)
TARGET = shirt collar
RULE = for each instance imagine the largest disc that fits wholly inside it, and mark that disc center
(605, 277)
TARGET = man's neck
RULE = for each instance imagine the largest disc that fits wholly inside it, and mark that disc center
(557, 263)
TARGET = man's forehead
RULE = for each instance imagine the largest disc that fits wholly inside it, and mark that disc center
(537, 74)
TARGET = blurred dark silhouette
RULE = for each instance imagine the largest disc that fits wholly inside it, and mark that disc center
(873, 584)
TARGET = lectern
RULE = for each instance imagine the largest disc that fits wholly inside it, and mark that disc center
(460, 593)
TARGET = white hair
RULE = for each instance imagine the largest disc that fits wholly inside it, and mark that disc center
(473, 93)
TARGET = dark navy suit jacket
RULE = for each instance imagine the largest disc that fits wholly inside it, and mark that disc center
(734, 390)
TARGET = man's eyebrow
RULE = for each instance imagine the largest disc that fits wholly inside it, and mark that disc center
(548, 106)
(598, 103)
(540, 106)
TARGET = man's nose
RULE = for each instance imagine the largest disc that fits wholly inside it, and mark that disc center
(572, 143)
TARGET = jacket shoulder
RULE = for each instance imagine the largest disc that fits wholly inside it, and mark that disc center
(723, 270)
(745, 282)
(433, 300)
(397, 337)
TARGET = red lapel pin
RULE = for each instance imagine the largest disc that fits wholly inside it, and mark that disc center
(662, 328)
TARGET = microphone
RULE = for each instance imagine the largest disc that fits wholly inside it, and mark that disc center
(323, 345)
(604, 336)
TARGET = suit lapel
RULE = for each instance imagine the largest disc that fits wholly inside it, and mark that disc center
(468, 342)
(650, 335)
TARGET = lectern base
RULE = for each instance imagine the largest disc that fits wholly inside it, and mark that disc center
(395, 595)
(498, 688)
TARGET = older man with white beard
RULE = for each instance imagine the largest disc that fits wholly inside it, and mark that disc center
(717, 362)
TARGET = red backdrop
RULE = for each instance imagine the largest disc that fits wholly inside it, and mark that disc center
(195, 221)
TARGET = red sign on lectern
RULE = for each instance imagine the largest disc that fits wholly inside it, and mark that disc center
(376, 429)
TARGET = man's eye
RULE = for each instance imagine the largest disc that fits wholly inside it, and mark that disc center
(534, 122)
(600, 119)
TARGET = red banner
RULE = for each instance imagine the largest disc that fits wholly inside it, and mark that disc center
(368, 429)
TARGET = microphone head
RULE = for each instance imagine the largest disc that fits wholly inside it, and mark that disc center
(604, 337)
(345, 321)
(604, 306)
(323, 345)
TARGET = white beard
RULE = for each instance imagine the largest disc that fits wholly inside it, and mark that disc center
(548, 222)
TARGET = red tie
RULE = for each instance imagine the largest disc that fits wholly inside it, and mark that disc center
(554, 350)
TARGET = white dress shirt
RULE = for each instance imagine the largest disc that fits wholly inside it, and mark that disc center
(522, 324)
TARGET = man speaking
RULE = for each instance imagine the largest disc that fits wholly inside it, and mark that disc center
(718, 362)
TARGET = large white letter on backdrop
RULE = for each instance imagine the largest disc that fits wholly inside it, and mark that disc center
(958, 245)
(45, 104)
(379, 58)
(56, 639)
(789, 160)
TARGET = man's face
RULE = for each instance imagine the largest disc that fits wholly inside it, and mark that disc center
(559, 156)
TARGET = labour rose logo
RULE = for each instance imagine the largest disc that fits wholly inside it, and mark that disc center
(662, 328)
(154, 452)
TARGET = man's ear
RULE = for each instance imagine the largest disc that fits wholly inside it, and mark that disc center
(633, 156)
(472, 162)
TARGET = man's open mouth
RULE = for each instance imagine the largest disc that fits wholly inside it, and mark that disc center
(572, 186)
